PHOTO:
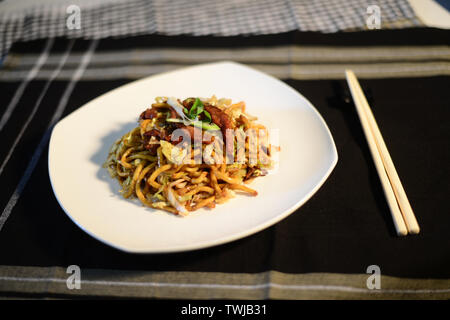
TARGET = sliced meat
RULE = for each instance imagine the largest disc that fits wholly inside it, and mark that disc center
(188, 103)
(190, 130)
(173, 113)
(250, 171)
(219, 117)
(148, 138)
(153, 133)
(152, 147)
(157, 135)
(223, 121)
(150, 113)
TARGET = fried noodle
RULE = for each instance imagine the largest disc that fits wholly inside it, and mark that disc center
(143, 159)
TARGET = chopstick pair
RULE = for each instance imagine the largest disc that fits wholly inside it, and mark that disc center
(401, 211)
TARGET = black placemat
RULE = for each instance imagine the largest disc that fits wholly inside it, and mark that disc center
(346, 225)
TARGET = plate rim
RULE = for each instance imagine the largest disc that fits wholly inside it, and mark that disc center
(224, 239)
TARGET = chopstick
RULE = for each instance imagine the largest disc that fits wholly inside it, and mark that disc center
(401, 211)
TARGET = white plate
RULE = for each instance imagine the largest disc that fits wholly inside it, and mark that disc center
(80, 142)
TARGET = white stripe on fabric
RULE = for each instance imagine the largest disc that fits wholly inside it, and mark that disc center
(296, 71)
(30, 76)
(38, 151)
(36, 105)
(276, 54)
(231, 286)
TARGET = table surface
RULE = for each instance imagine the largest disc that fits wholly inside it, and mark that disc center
(322, 250)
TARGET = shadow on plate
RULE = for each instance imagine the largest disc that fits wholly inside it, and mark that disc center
(99, 157)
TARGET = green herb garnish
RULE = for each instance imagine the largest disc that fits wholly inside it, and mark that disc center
(207, 126)
(207, 116)
(196, 110)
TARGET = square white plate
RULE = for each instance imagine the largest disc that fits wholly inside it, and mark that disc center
(80, 142)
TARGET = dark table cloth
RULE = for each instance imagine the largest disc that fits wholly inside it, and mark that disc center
(322, 250)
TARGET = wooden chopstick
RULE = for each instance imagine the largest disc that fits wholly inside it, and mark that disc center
(401, 210)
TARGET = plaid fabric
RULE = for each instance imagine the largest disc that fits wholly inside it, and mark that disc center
(20, 21)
